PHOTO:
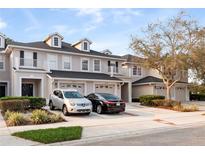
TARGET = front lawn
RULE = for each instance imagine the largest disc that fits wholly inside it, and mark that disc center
(52, 135)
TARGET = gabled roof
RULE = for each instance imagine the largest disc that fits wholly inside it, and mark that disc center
(132, 58)
(65, 47)
(52, 34)
(81, 40)
(150, 79)
(81, 75)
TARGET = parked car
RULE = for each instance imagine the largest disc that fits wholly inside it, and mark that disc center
(104, 102)
(69, 101)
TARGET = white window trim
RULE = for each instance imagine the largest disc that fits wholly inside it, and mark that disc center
(81, 66)
(4, 63)
(94, 65)
(63, 59)
(137, 75)
(88, 46)
(58, 41)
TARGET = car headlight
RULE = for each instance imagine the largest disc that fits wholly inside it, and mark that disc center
(72, 103)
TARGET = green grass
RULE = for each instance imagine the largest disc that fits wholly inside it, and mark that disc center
(51, 135)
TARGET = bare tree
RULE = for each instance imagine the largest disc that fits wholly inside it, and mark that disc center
(166, 47)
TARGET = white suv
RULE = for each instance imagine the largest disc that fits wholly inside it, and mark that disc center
(69, 101)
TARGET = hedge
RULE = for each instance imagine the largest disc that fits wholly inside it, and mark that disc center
(197, 97)
(14, 105)
(34, 102)
(147, 100)
(166, 102)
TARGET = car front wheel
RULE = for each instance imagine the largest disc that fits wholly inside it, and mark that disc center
(99, 109)
(65, 110)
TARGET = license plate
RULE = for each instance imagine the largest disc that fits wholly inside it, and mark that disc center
(118, 104)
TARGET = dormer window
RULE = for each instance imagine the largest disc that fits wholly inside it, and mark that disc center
(85, 46)
(56, 42)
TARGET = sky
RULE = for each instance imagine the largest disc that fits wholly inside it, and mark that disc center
(106, 28)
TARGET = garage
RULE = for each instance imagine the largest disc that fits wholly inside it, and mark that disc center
(78, 86)
(102, 88)
(180, 93)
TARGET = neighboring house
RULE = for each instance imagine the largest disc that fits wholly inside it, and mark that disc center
(36, 68)
(148, 81)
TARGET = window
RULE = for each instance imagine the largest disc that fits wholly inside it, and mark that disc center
(114, 65)
(56, 41)
(96, 65)
(52, 62)
(35, 59)
(67, 63)
(85, 46)
(1, 62)
(21, 58)
(85, 64)
(137, 71)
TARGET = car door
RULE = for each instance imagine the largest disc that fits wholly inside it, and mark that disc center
(55, 98)
(60, 100)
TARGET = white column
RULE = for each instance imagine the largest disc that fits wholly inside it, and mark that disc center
(130, 92)
(187, 94)
(116, 93)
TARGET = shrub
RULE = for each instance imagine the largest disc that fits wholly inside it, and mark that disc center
(40, 117)
(165, 102)
(7, 114)
(15, 119)
(186, 108)
(147, 100)
(54, 118)
(14, 105)
(35, 102)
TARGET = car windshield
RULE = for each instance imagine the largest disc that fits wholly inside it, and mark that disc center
(72, 94)
(108, 96)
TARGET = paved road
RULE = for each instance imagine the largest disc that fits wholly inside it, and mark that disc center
(182, 137)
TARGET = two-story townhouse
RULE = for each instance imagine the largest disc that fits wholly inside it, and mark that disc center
(149, 82)
(36, 68)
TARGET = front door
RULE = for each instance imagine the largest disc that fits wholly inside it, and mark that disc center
(27, 89)
(2, 90)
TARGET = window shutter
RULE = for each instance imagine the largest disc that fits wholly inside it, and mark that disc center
(35, 55)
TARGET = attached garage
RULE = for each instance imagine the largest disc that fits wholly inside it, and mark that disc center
(78, 86)
(180, 93)
(154, 86)
(102, 88)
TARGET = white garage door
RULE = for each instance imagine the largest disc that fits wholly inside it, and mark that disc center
(181, 94)
(101, 88)
(78, 86)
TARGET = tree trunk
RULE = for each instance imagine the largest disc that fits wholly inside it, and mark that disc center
(168, 93)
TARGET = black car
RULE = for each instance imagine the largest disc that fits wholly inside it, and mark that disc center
(104, 102)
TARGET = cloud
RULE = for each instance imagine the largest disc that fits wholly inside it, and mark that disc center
(64, 29)
(95, 15)
(3, 24)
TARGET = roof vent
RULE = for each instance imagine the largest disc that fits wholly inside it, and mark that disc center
(107, 52)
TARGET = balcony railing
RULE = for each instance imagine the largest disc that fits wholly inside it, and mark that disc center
(30, 63)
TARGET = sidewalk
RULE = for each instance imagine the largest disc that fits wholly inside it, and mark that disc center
(147, 120)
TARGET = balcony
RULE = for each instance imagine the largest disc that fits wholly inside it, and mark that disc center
(119, 71)
(30, 63)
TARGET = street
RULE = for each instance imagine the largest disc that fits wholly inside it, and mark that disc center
(180, 137)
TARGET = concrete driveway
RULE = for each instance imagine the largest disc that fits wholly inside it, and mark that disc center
(136, 120)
